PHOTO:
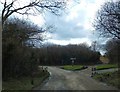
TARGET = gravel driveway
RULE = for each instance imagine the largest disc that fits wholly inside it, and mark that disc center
(72, 80)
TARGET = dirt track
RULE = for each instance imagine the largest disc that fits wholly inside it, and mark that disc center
(72, 80)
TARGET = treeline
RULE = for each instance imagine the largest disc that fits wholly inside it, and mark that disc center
(113, 50)
(18, 56)
(60, 55)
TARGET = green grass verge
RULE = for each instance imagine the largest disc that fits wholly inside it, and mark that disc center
(24, 83)
(111, 78)
(73, 68)
(106, 66)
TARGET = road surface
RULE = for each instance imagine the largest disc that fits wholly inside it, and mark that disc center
(72, 80)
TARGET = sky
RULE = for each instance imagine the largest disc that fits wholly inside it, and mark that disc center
(74, 26)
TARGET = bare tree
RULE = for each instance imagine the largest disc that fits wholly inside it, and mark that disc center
(107, 22)
(113, 50)
(35, 5)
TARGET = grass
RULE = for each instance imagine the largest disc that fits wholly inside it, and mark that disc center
(111, 78)
(24, 83)
(106, 66)
(73, 68)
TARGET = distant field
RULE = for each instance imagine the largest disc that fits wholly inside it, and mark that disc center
(104, 59)
(106, 66)
(73, 68)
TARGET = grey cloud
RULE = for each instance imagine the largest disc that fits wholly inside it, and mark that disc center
(67, 29)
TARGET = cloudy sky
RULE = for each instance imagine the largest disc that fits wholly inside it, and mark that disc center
(74, 26)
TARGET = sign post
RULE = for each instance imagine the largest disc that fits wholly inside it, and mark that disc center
(73, 60)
